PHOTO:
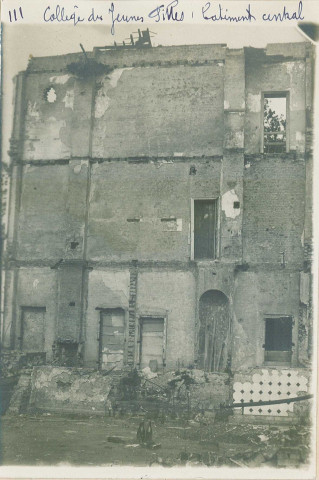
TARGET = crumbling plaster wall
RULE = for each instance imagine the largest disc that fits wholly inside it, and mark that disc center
(57, 116)
(190, 102)
(48, 120)
(125, 104)
(69, 390)
(233, 159)
(231, 208)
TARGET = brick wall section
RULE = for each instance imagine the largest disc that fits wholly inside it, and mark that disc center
(274, 192)
(52, 213)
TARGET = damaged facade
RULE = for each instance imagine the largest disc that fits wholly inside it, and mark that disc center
(155, 219)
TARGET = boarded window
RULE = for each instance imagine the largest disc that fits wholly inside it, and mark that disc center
(275, 123)
(205, 220)
(111, 339)
(32, 329)
(152, 343)
(278, 339)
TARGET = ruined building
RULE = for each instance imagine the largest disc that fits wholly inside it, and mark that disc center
(160, 208)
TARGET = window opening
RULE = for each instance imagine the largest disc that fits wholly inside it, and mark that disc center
(205, 221)
(275, 123)
(278, 339)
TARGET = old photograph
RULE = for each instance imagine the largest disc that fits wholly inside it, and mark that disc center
(157, 247)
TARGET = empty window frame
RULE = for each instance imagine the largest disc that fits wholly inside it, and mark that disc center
(278, 339)
(275, 115)
(204, 229)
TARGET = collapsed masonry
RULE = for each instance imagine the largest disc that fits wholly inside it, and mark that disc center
(191, 393)
(159, 215)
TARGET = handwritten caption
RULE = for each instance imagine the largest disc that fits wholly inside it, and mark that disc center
(209, 12)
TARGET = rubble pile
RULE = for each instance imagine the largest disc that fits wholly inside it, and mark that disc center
(249, 446)
(193, 389)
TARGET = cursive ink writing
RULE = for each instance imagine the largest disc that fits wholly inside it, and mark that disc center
(166, 14)
(94, 17)
(172, 12)
(223, 14)
(118, 18)
(281, 17)
(59, 15)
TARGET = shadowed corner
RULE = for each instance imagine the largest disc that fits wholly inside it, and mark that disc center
(309, 30)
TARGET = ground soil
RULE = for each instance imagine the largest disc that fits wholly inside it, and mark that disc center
(50, 439)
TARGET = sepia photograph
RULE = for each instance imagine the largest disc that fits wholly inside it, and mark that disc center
(157, 291)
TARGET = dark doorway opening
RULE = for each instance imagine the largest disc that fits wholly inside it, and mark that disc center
(278, 339)
(205, 221)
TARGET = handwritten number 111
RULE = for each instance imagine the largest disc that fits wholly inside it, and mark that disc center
(15, 14)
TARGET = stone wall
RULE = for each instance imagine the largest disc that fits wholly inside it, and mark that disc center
(69, 390)
(72, 390)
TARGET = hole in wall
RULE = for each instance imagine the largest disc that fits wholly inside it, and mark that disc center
(72, 304)
(50, 95)
(73, 245)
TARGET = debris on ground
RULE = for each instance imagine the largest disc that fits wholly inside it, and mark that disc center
(180, 441)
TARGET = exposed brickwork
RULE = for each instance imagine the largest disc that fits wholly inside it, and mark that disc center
(274, 192)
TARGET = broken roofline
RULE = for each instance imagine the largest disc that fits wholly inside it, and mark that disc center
(120, 57)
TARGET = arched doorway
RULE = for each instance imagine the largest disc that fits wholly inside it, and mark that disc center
(214, 331)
